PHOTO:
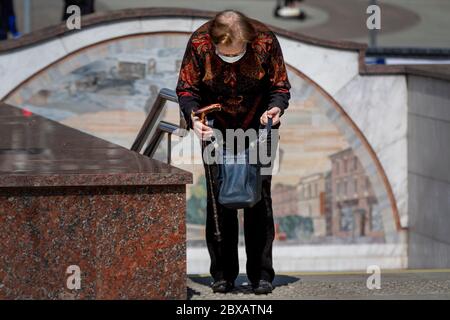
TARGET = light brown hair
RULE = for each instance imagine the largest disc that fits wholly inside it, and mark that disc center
(229, 26)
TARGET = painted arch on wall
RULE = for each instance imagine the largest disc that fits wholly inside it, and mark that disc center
(331, 186)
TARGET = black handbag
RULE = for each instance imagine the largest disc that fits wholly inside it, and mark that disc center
(239, 180)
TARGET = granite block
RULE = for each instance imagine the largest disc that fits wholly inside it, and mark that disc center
(70, 199)
(129, 242)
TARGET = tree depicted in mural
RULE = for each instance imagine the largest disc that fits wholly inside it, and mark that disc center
(296, 227)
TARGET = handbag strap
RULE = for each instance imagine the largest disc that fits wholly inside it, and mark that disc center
(269, 125)
(264, 140)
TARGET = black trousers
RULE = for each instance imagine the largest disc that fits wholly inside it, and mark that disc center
(259, 234)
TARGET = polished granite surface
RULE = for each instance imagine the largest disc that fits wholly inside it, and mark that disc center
(35, 151)
(68, 199)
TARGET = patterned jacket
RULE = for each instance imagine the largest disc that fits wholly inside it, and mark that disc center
(246, 88)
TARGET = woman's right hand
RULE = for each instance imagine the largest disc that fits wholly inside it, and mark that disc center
(201, 130)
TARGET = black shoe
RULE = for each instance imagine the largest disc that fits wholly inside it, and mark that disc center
(263, 287)
(222, 286)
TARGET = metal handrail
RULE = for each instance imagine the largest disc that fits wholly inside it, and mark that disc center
(154, 128)
(163, 128)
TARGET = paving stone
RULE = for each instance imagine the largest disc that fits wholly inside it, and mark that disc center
(427, 284)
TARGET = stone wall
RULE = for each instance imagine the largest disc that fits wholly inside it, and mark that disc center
(429, 172)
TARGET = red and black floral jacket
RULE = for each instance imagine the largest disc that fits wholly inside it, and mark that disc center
(246, 88)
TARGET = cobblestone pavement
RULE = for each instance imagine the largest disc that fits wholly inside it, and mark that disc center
(420, 284)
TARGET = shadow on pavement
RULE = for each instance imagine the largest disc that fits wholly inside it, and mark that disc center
(242, 284)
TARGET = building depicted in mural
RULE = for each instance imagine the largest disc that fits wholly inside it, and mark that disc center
(352, 199)
(311, 203)
(284, 200)
(285, 206)
(328, 204)
(338, 202)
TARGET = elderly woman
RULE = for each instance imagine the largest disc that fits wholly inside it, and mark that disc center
(237, 62)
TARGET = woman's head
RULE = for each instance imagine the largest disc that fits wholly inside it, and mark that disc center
(230, 31)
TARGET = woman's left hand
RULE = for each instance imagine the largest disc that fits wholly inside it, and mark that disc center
(273, 113)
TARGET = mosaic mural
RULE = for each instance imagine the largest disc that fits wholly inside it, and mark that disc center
(326, 191)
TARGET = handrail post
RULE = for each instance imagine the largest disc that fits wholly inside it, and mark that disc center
(169, 148)
(153, 129)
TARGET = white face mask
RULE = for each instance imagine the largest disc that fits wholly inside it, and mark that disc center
(231, 59)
